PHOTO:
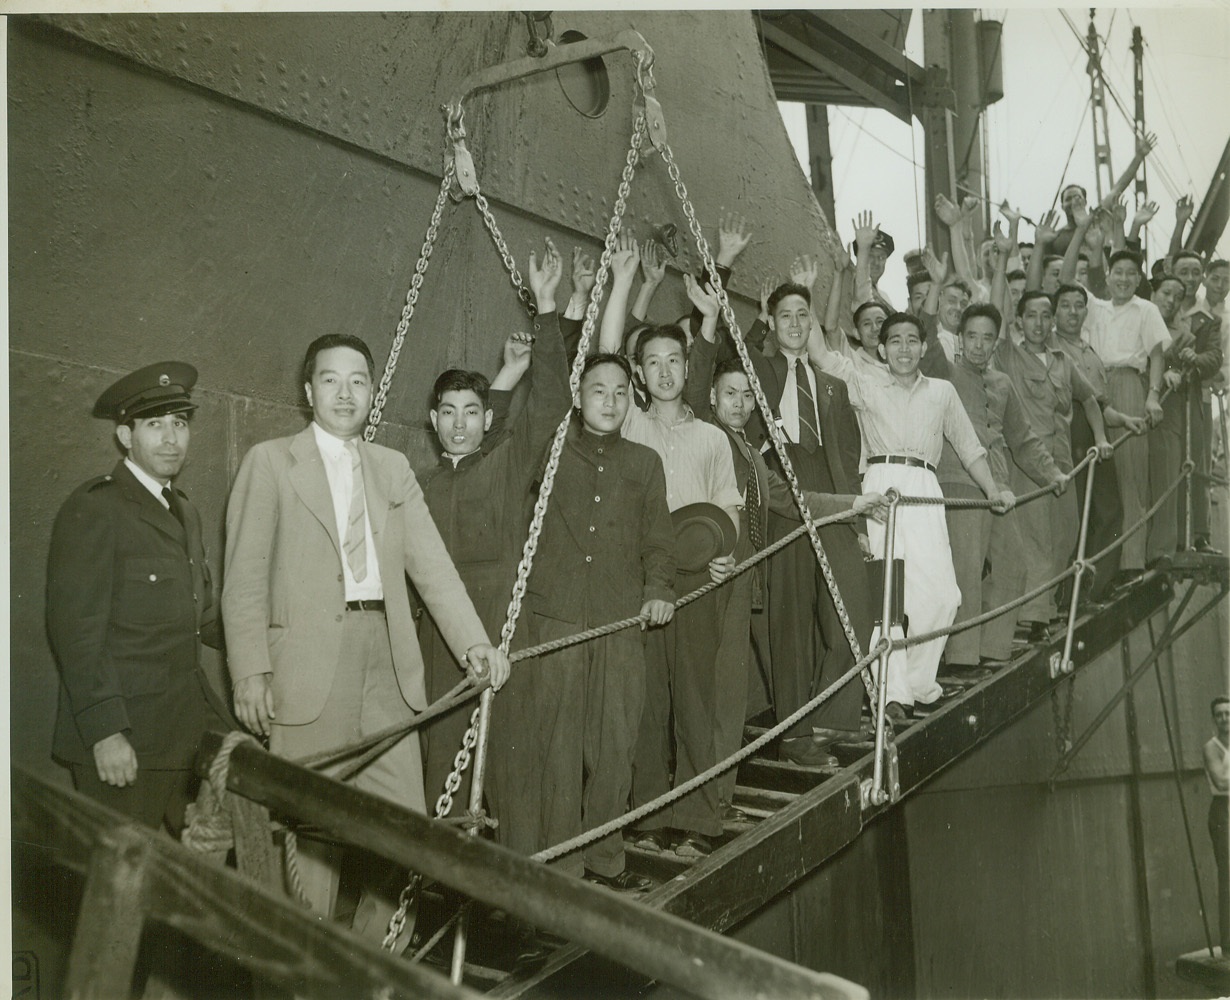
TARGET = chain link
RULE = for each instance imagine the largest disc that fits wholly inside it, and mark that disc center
(412, 297)
(775, 434)
(510, 265)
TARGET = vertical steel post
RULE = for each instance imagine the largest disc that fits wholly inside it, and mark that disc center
(878, 795)
(1187, 457)
(1065, 663)
(479, 766)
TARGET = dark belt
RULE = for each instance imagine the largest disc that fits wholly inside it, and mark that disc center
(916, 463)
(365, 606)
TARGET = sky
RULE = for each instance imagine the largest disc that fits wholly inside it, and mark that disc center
(1043, 116)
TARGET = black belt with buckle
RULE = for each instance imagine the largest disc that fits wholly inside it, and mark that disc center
(916, 463)
(365, 606)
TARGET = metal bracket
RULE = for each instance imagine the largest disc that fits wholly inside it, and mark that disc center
(1059, 666)
(892, 783)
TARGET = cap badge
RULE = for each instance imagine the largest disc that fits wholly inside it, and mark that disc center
(164, 379)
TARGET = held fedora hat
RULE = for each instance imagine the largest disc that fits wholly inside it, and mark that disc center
(703, 531)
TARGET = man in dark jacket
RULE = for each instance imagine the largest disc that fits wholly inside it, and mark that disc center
(129, 598)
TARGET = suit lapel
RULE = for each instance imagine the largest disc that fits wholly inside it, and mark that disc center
(374, 490)
(150, 509)
(311, 484)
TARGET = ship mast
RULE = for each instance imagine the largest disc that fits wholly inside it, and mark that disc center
(1103, 171)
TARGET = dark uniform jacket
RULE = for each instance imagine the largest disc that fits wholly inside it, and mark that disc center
(608, 543)
(481, 503)
(129, 596)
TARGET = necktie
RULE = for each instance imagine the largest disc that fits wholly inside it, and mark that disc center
(752, 505)
(809, 433)
(355, 544)
(172, 499)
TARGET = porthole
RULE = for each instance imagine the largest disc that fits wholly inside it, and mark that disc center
(585, 84)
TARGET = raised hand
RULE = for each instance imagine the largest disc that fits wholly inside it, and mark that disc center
(1118, 213)
(1183, 209)
(733, 238)
(805, 270)
(767, 284)
(842, 260)
(969, 205)
(936, 267)
(653, 267)
(625, 259)
(865, 231)
(947, 212)
(1144, 215)
(518, 349)
(1095, 237)
(1003, 242)
(1013, 215)
(1145, 144)
(1047, 229)
(705, 299)
(582, 272)
(544, 277)
(1081, 214)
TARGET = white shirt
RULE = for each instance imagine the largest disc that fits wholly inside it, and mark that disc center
(149, 482)
(339, 470)
(789, 408)
(1124, 336)
(948, 340)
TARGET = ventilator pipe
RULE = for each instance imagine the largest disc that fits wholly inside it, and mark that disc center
(878, 795)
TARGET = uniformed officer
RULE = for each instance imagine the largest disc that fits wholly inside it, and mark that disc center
(129, 598)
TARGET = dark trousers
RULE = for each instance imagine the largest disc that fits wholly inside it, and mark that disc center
(809, 650)
(1105, 511)
(155, 798)
(1219, 831)
(537, 731)
(683, 700)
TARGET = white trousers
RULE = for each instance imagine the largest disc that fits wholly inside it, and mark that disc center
(932, 596)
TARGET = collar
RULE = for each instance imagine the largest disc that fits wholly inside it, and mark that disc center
(792, 356)
(330, 445)
(149, 482)
(1201, 307)
(972, 368)
(589, 441)
(456, 462)
(653, 414)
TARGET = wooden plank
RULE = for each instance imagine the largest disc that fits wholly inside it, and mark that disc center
(1212, 973)
(264, 933)
(111, 918)
(657, 944)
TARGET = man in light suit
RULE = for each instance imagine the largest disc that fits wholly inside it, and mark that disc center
(322, 529)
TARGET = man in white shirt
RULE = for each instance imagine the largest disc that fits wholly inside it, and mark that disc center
(1130, 336)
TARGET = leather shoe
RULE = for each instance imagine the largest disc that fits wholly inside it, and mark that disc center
(657, 841)
(625, 881)
(693, 845)
(733, 814)
(1201, 545)
(806, 752)
(1037, 633)
(897, 713)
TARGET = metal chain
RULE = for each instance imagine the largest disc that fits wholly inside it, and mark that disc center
(506, 256)
(775, 434)
(444, 803)
(397, 922)
(412, 297)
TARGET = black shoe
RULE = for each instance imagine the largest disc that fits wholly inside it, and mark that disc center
(656, 841)
(733, 814)
(1201, 545)
(970, 673)
(987, 663)
(1037, 633)
(898, 714)
(806, 752)
(625, 881)
(693, 845)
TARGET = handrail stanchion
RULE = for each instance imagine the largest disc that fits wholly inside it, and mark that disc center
(1065, 663)
(477, 773)
(878, 795)
(1187, 457)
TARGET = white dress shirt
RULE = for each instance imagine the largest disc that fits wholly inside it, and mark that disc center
(1125, 335)
(789, 409)
(339, 470)
(149, 482)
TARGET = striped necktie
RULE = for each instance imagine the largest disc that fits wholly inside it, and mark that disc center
(355, 543)
(809, 433)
